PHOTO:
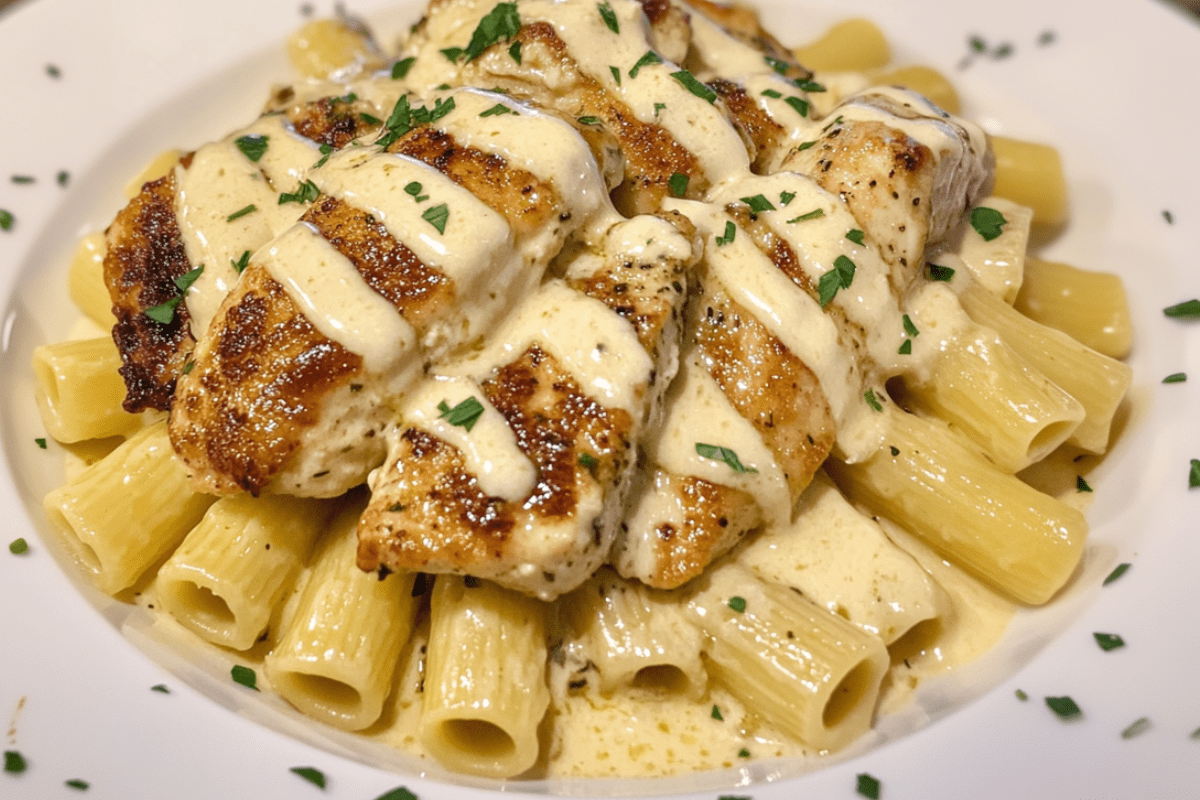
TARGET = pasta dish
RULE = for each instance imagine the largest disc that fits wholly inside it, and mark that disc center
(586, 388)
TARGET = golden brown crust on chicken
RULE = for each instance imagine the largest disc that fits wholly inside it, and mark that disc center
(145, 255)
(762, 135)
(256, 385)
(332, 121)
(714, 518)
(741, 22)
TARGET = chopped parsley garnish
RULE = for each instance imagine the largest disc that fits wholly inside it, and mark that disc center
(609, 16)
(414, 188)
(437, 216)
(310, 774)
(241, 212)
(188, 367)
(809, 86)
(1021, 695)
(722, 454)
(1188, 309)
(464, 415)
(743, 753)
(452, 54)
(14, 762)
(689, 82)
(799, 105)
(616, 73)
(905, 348)
(18, 547)
(77, 784)
(855, 235)
(1175, 377)
(936, 272)
(659, 107)
(404, 118)
(771, 93)
(588, 462)
(650, 57)
(63, 177)
(165, 312)
(53, 71)
(1120, 570)
(814, 214)
(716, 713)
(497, 109)
(1169, 217)
(514, 51)
(758, 204)
(779, 65)
(252, 145)
(730, 232)
(23, 179)
(872, 400)
(1194, 474)
(840, 277)
(306, 192)
(6, 220)
(240, 265)
(40, 442)
(678, 184)
(895, 450)
(1136, 728)
(401, 68)
(1064, 706)
(987, 222)
(738, 604)
(244, 676)
(502, 22)
(1046, 37)
(804, 146)
(161, 688)
(399, 793)
(867, 786)
(326, 152)
(589, 120)
(786, 197)
(370, 119)
(909, 327)
(1081, 485)
(1108, 641)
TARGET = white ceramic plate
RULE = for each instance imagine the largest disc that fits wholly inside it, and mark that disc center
(1111, 87)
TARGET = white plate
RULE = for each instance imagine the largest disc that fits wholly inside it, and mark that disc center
(1112, 89)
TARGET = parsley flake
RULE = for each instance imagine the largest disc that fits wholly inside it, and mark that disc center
(161, 688)
(252, 145)
(1194, 474)
(6, 220)
(496, 110)
(816, 213)
(14, 762)
(63, 178)
(401, 68)
(730, 232)
(464, 415)
(872, 400)
(1064, 707)
(588, 462)
(164, 313)
(840, 277)
(399, 793)
(659, 107)
(716, 713)
(799, 105)
(609, 16)
(779, 65)
(1081, 485)
(678, 184)
(77, 784)
(723, 454)
(244, 676)
(743, 753)
(689, 82)
(589, 120)
(936, 272)
(437, 216)
(40, 442)
(1108, 641)
(1188, 309)
(240, 265)
(758, 204)
(738, 604)
(1021, 695)
(616, 73)
(306, 192)
(23, 179)
(413, 188)
(53, 71)
(804, 146)
(18, 547)
(502, 22)
(1175, 377)
(855, 235)
(786, 197)
(808, 86)
(514, 51)
(241, 212)
(1169, 217)
(909, 327)
(987, 222)
(310, 774)
(646, 60)
(771, 93)
(1120, 570)
(905, 348)
(867, 786)
(452, 54)
(1136, 728)
(370, 119)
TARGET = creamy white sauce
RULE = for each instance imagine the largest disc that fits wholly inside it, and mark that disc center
(489, 447)
(999, 264)
(327, 288)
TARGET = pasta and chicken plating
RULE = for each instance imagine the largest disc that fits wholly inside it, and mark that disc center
(579, 362)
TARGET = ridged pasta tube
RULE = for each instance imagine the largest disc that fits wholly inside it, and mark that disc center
(79, 390)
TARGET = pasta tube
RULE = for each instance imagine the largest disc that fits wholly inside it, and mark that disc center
(325, 47)
(230, 574)
(851, 45)
(337, 656)
(128, 510)
(485, 678)
(1022, 542)
(809, 672)
(1090, 307)
(85, 280)
(1031, 174)
(79, 390)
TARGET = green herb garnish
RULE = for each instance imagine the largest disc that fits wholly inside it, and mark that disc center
(809, 86)
(616, 73)
(786, 197)
(1168, 217)
(867, 786)
(936, 272)
(401, 68)
(1188, 309)
(161, 688)
(437, 216)
(1120, 570)
(779, 65)
(514, 51)
(1081, 485)
(987, 222)
(370, 119)
(730, 232)
(609, 16)
(678, 184)
(723, 454)
(453, 54)
(40, 442)
(502, 22)
(758, 204)
(14, 762)
(18, 547)
(1136, 728)
(738, 604)
(497, 109)
(240, 265)
(872, 400)
(252, 145)
(164, 313)
(1064, 707)
(650, 57)
(814, 214)
(909, 327)
(244, 676)
(413, 188)
(63, 178)
(659, 107)
(306, 192)
(716, 713)
(840, 277)
(1194, 474)
(6, 220)
(77, 784)
(464, 415)
(23, 179)
(804, 146)
(771, 93)
(310, 774)
(1175, 377)
(905, 348)
(689, 82)
(855, 235)
(241, 212)
(1021, 695)
(588, 462)
(799, 105)
(743, 753)
(1108, 641)
(399, 793)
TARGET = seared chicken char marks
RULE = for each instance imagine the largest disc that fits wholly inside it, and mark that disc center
(762, 134)
(144, 257)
